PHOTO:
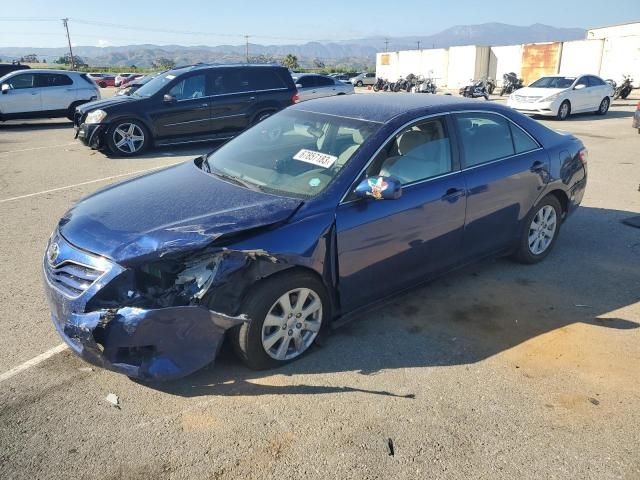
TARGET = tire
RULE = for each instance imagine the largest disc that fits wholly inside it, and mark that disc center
(528, 251)
(502, 90)
(604, 106)
(359, 83)
(249, 339)
(260, 116)
(625, 93)
(115, 135)
(102, 85)
(71, 111)
(564, 110)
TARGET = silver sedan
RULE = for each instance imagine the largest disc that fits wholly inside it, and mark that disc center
(312, 86)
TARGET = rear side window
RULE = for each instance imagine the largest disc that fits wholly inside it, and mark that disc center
(53, 80)
(265, 79)
(487, 137)
(521, 141)
(595, 82)
(325, 82)
(229, 81)
(87, 79)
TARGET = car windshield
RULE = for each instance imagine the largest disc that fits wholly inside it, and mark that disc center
(553, 82)
(154, 85)
(292, 153)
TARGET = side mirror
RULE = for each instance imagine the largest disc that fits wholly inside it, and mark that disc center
(168, 98)
(299, 85)
(579, 87)
(379, 188)
(5, 88)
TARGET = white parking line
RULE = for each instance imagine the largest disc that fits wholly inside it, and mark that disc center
(85, 183)
(33, 362)
(38, 148)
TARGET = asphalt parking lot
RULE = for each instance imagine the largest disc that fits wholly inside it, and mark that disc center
(496, 371)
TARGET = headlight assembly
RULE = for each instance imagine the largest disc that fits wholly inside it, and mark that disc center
(96, 116)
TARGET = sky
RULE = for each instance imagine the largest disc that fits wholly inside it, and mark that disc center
(36, 23)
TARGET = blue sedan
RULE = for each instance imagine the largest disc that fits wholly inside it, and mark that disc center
(310, 216)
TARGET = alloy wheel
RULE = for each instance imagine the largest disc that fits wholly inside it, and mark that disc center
(292, 324)
(564, 110)
(542, 230)
(604, 106)
(128, 137)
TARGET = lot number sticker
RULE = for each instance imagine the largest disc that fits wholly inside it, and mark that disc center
(315, 158)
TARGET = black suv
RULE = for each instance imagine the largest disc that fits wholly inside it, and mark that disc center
(6, 68)
(185, 105)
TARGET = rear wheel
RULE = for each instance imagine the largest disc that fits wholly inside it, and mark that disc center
(540, 231)
(287, 313)
(261, 116)
(564, 111)
(128, 138)
(72, 110)
(604, 106)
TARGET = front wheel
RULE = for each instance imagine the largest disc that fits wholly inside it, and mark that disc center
(564, 110)
(359, 83)
(128, 138)
(540, 232)
(287, 313)
(625, 93)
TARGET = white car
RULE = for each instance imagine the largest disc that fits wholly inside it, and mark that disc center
(363, 79)
(312, 86)
(559, 96)
(36, 93)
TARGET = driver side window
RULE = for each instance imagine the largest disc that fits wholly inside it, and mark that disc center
(26, 80)
(420, 152)
(190, 87)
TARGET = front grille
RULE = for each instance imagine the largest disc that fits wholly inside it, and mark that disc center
(72, 271)
(73, 278)
(525, 99)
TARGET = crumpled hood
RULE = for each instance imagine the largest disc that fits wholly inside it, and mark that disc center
(104, 103)
(177, 209)
(538, 92)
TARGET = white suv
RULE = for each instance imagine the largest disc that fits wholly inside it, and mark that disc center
(44, 93)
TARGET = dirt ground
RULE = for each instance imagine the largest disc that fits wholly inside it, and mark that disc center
(497, 371)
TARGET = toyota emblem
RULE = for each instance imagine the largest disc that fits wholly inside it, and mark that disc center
(52, 252)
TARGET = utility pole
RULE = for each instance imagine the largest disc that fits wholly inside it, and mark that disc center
(418, 42)
(246, 39)
(73, 63)
(386, 44)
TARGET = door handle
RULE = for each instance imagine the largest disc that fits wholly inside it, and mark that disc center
(252, 98)
(453, 194)
(204, 105)
(34, 93)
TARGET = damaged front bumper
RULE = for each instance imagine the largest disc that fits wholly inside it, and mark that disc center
(148, 344)
(91, 134)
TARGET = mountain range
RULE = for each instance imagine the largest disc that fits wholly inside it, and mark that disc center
(349, 53)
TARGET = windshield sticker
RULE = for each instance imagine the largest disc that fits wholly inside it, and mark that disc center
(314, 182)
(315, 158)
(170, 77)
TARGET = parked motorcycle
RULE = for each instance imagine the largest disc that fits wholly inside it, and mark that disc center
(475, 90)
(624, 89)
(491, 85)
(510, 83)
(379, 85)
(410, 82)
(425, 85)
(401, 84)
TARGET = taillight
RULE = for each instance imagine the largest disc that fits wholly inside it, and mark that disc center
(584, 155)
(638, 106)
(295, 98)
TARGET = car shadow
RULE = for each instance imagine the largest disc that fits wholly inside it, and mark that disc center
(462, 318)
(26, 125)
(589, 116)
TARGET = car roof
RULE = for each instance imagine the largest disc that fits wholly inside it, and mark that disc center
(44, 70)
(205, 66)
(380, 107)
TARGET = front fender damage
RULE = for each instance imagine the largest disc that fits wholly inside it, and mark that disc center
(155, 344)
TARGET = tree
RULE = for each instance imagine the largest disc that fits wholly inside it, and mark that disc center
(163, 63)
(318, 63)
(66, 60)
(31, 58)
(290, 61)
(262, 59)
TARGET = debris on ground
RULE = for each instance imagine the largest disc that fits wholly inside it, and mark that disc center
(113, 399)
(85, 369)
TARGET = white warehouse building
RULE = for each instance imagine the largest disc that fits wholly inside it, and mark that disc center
(610, 52)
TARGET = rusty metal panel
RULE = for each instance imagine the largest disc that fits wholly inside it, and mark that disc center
(539, 59)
